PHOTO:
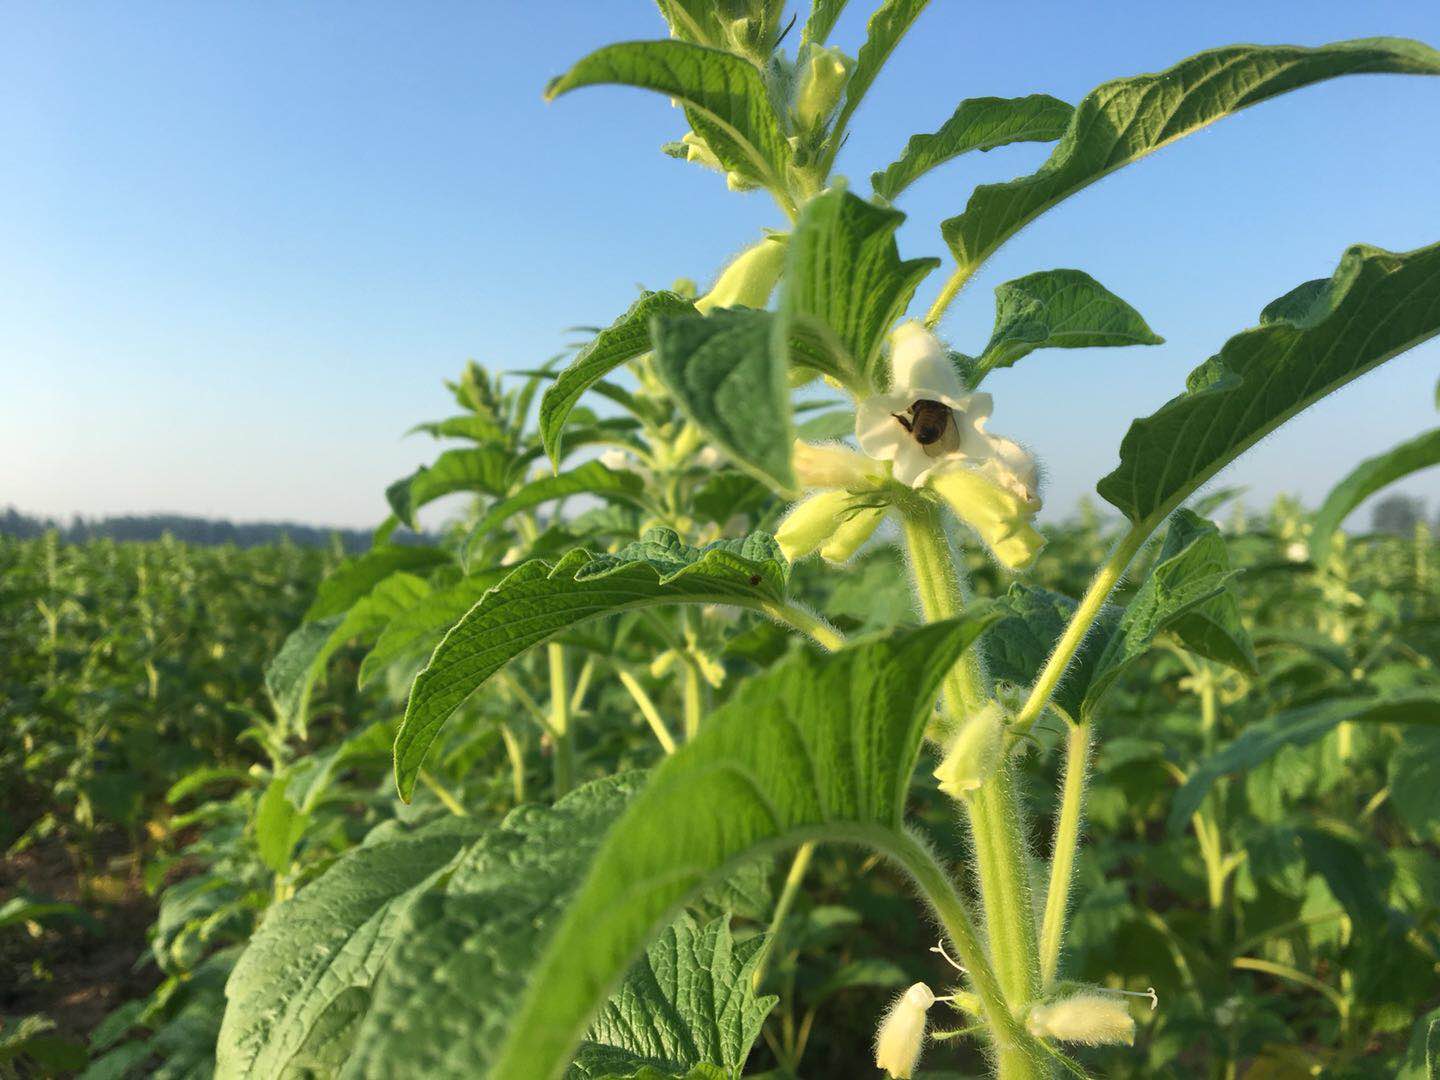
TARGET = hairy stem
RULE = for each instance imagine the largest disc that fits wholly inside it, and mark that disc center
(791, 889)
(953, 284)
(816, 628)
(647, 708)
(1085, 615)
(1062, 858)
(1001, 853)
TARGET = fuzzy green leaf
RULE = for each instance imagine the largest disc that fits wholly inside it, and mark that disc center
(1022, 639)
(883, 32)
(977, 124)
(724, 93)
(278, 826)
(1297, 727)
(843, 271)
(725, 377)
(421, 625)
(1364, 480)
(486, 470)
(538, 600)
(1311, 342)
(1121, 121)
(623, 340)
(819, 747)
(1058, 309)
(591, 478)
(355, 577)
(821, 20)
(330, 940)
(687, 1002)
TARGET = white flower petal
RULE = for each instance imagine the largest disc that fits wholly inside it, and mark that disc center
(918, 362)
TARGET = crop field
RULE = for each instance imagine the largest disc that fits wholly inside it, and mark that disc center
(744, 719)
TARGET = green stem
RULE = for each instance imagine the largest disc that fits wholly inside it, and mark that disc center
(1085, 615)
(953, 284)
(517, 762)
(646, 705)
(560, 721)
(821, 632)
(791, 889)
(441, 792)
(693, 700)
(1062, 858)
(1001, 854)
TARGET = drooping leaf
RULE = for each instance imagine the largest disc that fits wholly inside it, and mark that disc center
(355, 577)
(687, 1002)
(423, 624)
(1310, 342)
(1364, 480)
(485, 470)
(1297, 727)
(538, 600)
(591, 478)
(725, 377)
(724, 93)
(1058, 309)
(1184, 594)
(816, 748)
(883, 32)
(977, 124)
(623, 340)
(1121, 121)
(330, 940)
(464, 953)
(843, 271)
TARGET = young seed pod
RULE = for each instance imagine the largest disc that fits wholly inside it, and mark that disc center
(1087, 1018)
(901, 1035)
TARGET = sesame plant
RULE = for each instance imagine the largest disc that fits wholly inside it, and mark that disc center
(798, 407)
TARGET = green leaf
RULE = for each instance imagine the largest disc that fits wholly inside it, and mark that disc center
(329, 941)
(1310, 342)
(725, 377)
(485, 470)
(353, 578)
(626, 338)
(1022, 639)
(591, 478)
(835, 424)
(843, 270)
(1364, 480)
(538, 600)
(421, 626)
(472, 426)
(823, 14)
(725, 95)
(977, 124)
(465, 952)
(819, 747)
(292, 674)
(882, 33)
(1415, 784)
(1121, 121)
(1184, 594)
(687, 1002)
(278, 826)
(1058, 309)
(1296, 727)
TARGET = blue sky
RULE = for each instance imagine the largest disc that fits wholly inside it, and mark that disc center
(242, 245)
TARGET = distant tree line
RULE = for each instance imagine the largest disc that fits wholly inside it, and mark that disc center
(192, 530)
(1398, 514)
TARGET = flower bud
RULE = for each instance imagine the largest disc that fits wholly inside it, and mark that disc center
(1087, 1018)
(853, 531)
(697, 151)
(811, 522)
(994, 510)
(748, 280)
(901, 1036)
(831, 465)
(975, 754)
(822, 75)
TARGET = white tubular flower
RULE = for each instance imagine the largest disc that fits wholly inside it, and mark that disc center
(1088, 1018)
(828, 521)
(975, 754)
(901, 1036)
(986, 499)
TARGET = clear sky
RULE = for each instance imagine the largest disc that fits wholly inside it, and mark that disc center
(242, 244)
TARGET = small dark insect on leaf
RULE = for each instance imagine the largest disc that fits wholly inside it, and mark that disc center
(754, 579)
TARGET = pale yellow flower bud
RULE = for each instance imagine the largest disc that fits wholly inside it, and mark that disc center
(823, 74)
(1087, 1018)
(853, 531)
(698, 152)
(975, 754)
(831, 466)
(996, 511)
(810, 523)
(901, 1036)
(748, 280)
